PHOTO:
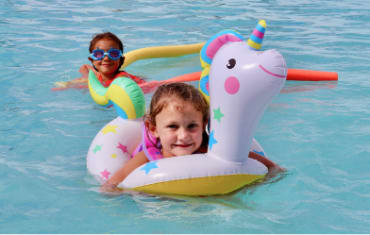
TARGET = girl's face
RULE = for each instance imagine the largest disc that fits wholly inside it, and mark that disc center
(179, 126)
(106, 66)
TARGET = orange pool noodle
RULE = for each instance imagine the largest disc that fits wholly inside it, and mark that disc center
(311, 75)
(293, 75)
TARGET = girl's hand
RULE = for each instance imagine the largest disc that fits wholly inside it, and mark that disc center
(108, 187)
(84, 70)
(274, 170)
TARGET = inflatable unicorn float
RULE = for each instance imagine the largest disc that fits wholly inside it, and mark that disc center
(239, 79)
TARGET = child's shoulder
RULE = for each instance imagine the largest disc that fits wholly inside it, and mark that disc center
(135, 78)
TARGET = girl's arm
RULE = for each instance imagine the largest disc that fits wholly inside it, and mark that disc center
(111, 184)
(272, 167)
(84, 70)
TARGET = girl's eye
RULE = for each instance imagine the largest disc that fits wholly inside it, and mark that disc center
(231, 63)
(192, 126)
(172, 126)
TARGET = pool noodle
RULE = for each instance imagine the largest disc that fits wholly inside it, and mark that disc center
(293, 75)
(173, 51)
(311, 75)
(161, 52)
(180, 50)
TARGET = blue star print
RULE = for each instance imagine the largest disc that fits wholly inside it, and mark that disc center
(149, 166)
(212, 139)
(260, 153)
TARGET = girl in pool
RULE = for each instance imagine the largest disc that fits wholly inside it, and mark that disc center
(106, 56)
(175, 125)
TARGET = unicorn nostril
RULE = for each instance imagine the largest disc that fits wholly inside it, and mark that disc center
(232, 85)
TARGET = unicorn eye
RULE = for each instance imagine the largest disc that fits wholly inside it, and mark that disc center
(231, 63)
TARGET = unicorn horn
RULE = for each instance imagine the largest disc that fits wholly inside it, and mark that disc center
(256, 38)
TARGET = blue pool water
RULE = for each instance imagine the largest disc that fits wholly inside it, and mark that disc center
(319, 131)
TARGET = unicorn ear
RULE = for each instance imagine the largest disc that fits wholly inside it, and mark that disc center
(256, 38)
(209, 50)
(216, 42)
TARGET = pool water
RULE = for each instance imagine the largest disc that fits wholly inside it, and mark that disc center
(318, 131)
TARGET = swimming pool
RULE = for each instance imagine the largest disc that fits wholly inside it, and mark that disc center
(319, 131)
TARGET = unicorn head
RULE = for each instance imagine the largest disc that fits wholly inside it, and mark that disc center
(240, 81)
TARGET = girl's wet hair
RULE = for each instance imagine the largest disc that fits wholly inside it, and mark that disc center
(106, 35)
(185, 92)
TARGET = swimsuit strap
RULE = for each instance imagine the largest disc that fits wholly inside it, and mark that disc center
(136, 79)
(149, 145)
(152, 147)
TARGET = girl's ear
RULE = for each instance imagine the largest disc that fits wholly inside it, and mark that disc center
(121, 61)
(152, 129)
(91, 60)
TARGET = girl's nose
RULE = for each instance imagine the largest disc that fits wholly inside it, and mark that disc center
(183, 134)
(105, 57)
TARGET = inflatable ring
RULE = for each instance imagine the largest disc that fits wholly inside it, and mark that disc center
(238, 74)
(124, 94)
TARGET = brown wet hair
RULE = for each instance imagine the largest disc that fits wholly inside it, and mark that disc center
(106, 35)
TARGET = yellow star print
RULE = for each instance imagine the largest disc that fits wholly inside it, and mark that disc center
(109, 128)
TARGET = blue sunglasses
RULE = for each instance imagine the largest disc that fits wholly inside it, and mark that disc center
(99, 54)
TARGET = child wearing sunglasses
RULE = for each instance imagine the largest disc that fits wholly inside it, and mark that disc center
(106, 56)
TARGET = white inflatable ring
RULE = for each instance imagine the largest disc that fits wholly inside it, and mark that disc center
(115, 142)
